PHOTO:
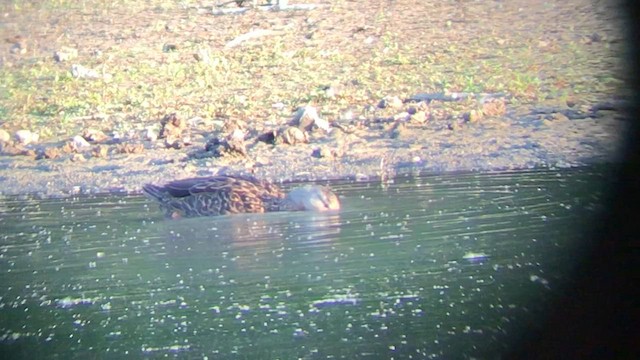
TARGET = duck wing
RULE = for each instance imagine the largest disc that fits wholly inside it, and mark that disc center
(217, 195)
(230, 195)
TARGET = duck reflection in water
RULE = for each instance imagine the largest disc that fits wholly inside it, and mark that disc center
(249, 241)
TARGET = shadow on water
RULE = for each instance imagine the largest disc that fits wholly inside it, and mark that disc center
(448, 266)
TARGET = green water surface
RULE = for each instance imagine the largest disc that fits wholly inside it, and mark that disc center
(450, 266)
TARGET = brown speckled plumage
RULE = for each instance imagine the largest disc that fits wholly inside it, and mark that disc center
(220, 195)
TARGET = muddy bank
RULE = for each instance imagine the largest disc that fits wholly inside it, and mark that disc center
(541, 137)
(85, 98)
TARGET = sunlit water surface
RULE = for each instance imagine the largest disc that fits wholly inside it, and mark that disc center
(447, 266)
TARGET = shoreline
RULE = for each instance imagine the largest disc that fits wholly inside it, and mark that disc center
(499, 144)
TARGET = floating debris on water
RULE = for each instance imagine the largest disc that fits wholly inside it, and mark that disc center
(475, 256)
(337, 300)
(540, 280)
(69, 302)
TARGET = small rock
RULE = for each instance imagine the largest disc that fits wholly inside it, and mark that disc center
(473, 116)
(558, 117)
(51, 153)
(128, 148)
(100, 151)
(420, 106)
(30, 153)
(78, 158)
(393, 102)
(293, 135)
(9, 148)
(262, 160)
(329, 91)
(237, 134)
(81, 72)
(78, 143)
(169, 47)
(249, 164)
(18, 45)
(65, 53)
(94, 135)
(322, 124)
(369, 108)
(67, 148)
(403, 116)
(454, 125)
(226, 147)
(4, 136)
(172, 126)
(419, 117)
(231, 125)
(172, 143)
(26, 137)
(307, 117)
(347, 115)
(203, 55)
(172, 131)
(278, 105)
(325, 152)
(494, 107)
(18, 48)
(232, 144)
(150, 135)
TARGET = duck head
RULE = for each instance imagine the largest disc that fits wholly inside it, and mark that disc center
(313, 198)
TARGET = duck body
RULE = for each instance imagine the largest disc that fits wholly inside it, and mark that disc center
(221, 195)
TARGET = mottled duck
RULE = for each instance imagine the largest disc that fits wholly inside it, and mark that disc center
(221, 195)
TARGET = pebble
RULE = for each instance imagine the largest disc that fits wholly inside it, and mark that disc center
(403, 116)
(94, 135)
(307, 117)
(100, 151)
(419, 117)
(79, 143)
(347, 115)
(78, 158)
(393, 102)
(151, 135)
(51, 153)
(81, 72)
(26, 137)
(325, 152)
(4, 136)
(473, 116)
(129, 148)
(559, 117)
(495, 107)
(65, 53)
(293, 135)
(329, 92)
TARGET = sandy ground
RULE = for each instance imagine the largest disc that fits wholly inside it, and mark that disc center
(534, 126)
